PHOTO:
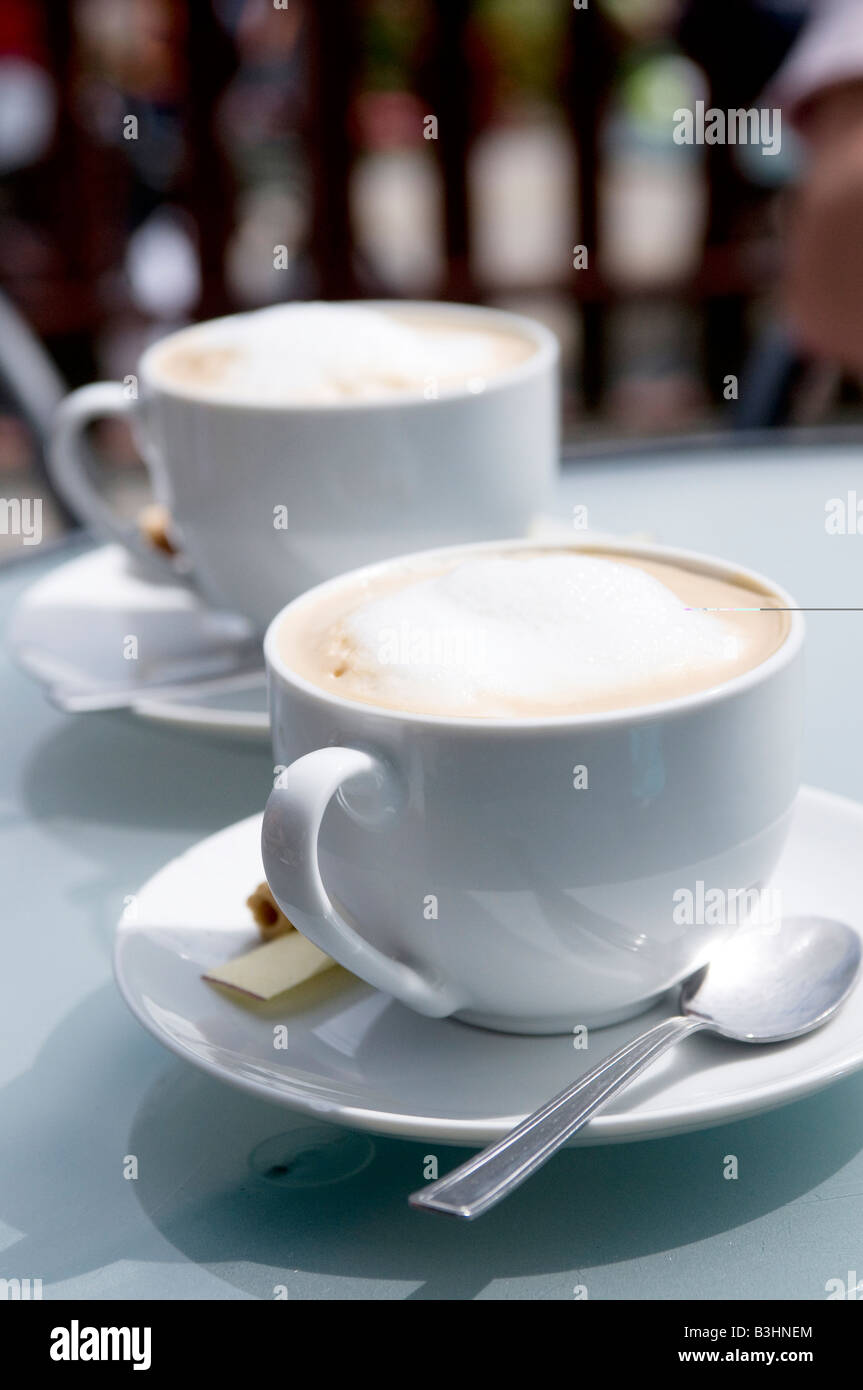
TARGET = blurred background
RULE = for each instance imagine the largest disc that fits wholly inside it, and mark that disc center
(167, 160)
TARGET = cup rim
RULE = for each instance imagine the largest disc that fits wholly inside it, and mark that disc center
(545, 355)
(712, 565)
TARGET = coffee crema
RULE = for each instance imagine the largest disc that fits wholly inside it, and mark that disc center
(324, 354)
(533, 632)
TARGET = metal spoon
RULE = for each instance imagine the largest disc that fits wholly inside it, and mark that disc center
(113, 697)
(767, 984)
(221, 670)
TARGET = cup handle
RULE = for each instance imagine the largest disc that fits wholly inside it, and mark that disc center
(289, 843)
(69, 458)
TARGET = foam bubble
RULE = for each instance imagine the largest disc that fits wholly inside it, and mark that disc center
(502, 632)
(320, 353)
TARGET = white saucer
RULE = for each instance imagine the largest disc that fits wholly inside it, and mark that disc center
(72, 624)
(356, 1057)
(70, 627)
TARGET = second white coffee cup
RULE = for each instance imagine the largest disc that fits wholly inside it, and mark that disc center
(268, 499)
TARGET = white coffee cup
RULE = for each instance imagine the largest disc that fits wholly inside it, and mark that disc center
(355, 481)
(552, 907)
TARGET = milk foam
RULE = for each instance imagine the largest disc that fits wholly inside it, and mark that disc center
(499, 632)
(319, 353)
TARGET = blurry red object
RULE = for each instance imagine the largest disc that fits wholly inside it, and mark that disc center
(21, 31)
(389, 120)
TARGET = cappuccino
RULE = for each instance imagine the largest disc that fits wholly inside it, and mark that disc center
(529, 632)
(326, 354)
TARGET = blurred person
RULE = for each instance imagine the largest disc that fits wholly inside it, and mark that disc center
(821, 87)
(805, 56)
(740, 43)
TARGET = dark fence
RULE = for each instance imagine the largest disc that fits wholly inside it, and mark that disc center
(68, 215)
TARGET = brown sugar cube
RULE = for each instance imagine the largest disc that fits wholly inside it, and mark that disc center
(154, 523)
(271, 921)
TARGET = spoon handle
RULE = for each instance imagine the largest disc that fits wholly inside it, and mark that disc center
(123, 696)
(491, 1175)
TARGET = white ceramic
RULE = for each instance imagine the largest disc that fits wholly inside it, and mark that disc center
(452, 863)
(360, 481)
(356, 1057)
(72, 626)
(73, 622)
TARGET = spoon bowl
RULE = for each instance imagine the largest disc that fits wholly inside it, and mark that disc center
(775, 982)
(766, 984)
